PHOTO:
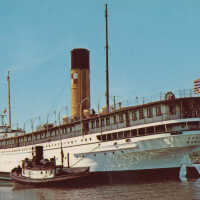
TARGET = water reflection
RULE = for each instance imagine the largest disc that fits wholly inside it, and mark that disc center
(163, 189)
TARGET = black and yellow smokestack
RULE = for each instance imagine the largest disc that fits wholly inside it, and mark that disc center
(80, 81)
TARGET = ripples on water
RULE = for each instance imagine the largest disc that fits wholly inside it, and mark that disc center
(162, 190)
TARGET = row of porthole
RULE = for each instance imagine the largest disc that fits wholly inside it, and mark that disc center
(194, 138)
(193, 142)
(50, 145)
(69, 142)
(83, 156)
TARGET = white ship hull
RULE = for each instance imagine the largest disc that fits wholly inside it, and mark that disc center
(142, 153)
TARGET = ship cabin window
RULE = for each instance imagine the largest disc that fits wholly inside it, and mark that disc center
(48, 134)
(25, 139)
(141, 131)
(193, 125)
(108, 138)
(114, 119)
(172, 109)
(114, 136)
(127, 134)
(158, 110)
(92, 124)
(134, 115)
(107, 121)
(102, 122)
(97, 123)
(120, 135)
(21, 139)
(29, 138)
(134, 132)
(160, 128)
(121, 117)
(150, 130)
(149, 112)
(38, 136)
(52, 133)
(141, 113)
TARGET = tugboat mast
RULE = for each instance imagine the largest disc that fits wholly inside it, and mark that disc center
(9, 106)
(107, 72)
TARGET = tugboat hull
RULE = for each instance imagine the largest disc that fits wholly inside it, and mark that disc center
(71, 177)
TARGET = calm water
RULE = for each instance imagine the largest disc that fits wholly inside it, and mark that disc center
(163, 190)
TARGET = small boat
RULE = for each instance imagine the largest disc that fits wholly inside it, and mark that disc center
(44, 172)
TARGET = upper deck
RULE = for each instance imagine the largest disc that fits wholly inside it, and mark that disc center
(166, 109)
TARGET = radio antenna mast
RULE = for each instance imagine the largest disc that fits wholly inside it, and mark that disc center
(107, 72)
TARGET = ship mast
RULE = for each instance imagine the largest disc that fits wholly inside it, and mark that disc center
(107, 72)
(9, 107)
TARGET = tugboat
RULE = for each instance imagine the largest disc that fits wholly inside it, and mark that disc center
(43, 172)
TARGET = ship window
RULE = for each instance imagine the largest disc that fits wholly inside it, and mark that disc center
(99, 137)
(134, 115)
(150, 130)
(108, 137)
(102, 122)
(141, 131)
(141, 113)
(92, 124)
(52, 133)
(126, 134)
(193, 125)
(107, 121)
(97, 123)
(114, 119)
(120, 135)
(160, 128)
(158, 110)
(149, 112)
(121, 117)
(103, 137)
(134, 132)
(114, 136)
(172, 109)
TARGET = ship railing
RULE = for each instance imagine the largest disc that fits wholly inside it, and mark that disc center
(139, 100)
(52, 119)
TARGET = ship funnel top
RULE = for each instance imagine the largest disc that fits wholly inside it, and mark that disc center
(80, 58)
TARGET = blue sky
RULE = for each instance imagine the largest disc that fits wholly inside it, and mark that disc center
(154, 46)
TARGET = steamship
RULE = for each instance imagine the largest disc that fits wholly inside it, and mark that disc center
(154, 136)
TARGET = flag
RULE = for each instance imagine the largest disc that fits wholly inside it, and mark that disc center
(196, 86)
(5, 111)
